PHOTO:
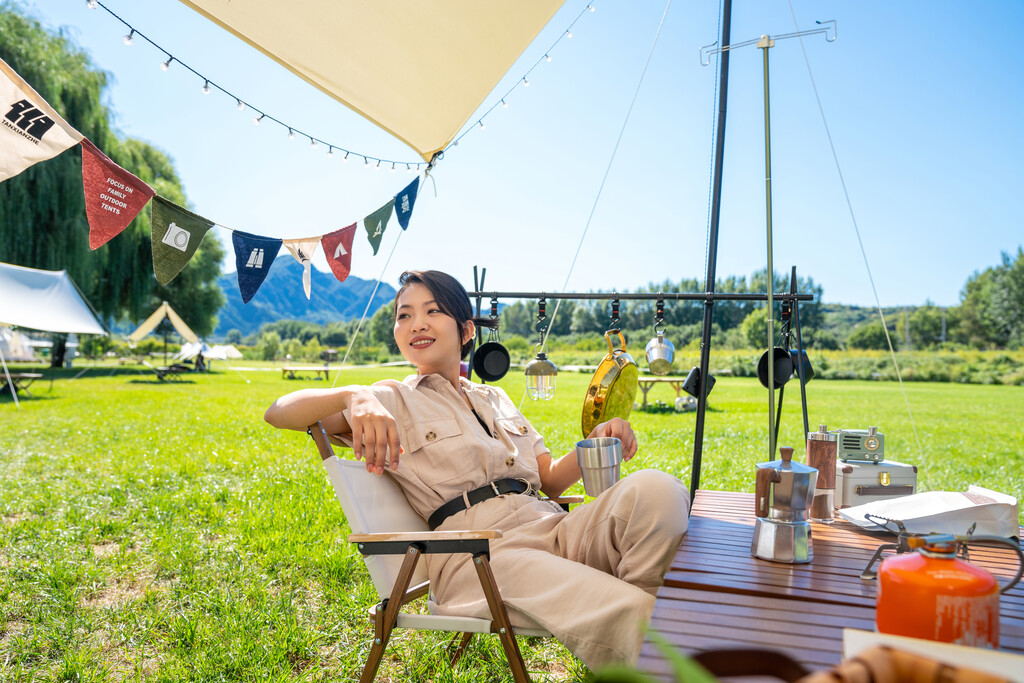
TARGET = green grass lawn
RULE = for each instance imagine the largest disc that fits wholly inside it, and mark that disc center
(163, 532)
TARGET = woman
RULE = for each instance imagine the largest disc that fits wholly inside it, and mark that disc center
(588, 576)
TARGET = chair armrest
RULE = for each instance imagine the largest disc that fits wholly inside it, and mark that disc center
(399, 543)
(420, 536)
(566, 500)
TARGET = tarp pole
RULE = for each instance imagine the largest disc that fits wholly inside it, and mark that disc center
(709, 280)
(10, 383)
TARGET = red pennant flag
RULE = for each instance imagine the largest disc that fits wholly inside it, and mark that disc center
(113, 196)
(338, 249)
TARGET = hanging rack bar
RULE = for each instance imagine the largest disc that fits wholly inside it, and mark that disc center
(644, 296)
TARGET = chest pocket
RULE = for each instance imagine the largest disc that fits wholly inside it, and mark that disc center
(435, 452)
(513, 425)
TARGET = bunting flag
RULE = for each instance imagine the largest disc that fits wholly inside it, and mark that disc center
(338, 250)
(404, 201)
(254, 254)
(113, 196)
(376, 223)
(175, 234)
(32, 131)
(303, 251)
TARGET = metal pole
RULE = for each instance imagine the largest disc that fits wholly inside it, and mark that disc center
(764, 44)
(709, 279)
(799, 352)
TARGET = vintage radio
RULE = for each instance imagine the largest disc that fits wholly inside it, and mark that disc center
(862, 482)
(862, 445)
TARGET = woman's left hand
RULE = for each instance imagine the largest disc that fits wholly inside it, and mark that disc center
(620, 429)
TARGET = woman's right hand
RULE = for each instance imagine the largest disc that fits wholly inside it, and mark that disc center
(374, 432)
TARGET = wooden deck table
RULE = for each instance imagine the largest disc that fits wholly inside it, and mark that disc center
(20, 381)
(716, 595)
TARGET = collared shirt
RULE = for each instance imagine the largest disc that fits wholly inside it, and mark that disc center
(447, 451)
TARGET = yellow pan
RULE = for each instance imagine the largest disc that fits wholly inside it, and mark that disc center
(613, 389)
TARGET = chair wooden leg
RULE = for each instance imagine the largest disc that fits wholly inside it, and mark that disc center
(458, 650)
(384, 620)
(501, 620)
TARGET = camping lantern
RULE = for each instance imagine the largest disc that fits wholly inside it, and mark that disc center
(540, 376)
(541, 372)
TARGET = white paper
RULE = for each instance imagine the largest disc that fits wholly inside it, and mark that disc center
(945, 512)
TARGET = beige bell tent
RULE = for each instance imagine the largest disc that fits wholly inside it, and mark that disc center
(416, 68)
(164, 311)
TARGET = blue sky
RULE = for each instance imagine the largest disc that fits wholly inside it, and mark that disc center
(923, 101)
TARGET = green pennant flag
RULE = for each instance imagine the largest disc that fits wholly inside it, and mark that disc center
(376, 223)
(176, 234)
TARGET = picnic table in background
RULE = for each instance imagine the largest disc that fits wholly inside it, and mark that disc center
(20, 381)
(716, 595)
(288, 372)
(646, 383)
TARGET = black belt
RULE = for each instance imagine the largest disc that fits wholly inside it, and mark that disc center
(495, 488)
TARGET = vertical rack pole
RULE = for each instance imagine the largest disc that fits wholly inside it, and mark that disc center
(765, 43)
(709, 279)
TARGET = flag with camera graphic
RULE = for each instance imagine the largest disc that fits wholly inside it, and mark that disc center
(113, 196)
(376, 223)
(303, 250)
(338, 250)
(254, 254)
(176, 234)
(404, 201)
(31, 130)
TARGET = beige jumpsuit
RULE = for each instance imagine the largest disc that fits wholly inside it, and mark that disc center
(588, 576)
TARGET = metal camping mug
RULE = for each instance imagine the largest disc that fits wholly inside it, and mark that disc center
(660, 354)
(599, 460)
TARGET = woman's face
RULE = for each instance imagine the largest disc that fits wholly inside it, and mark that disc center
(427, 337)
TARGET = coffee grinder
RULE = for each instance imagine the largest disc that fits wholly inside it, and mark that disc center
(783, 493)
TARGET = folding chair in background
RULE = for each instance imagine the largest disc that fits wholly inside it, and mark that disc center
(392, 537)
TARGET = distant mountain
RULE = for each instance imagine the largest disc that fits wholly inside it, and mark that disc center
(280, 297)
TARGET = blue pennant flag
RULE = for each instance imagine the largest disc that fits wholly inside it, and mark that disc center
(404, 202)
(254, 255)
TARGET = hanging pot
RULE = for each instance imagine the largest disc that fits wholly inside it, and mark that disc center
(491, 361)
(802, 368)
(783, 368)
(613, 388)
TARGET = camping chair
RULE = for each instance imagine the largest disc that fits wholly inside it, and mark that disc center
(164, 374)
(384, 528)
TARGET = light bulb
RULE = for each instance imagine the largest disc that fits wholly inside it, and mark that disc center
(256, 119)
(206, 87)
(330, 151)
(568, 34)
(504, 104)
(482, 126)
(526, 82)
(408, 168)
(590, 7)
(312, 143)
(130, 38)
(366, 161)
(241, 105)
(346, 157)
(377, 167)
(91, 4)
(291, 134)
(392, 167)
(164, 66)
(547, 58)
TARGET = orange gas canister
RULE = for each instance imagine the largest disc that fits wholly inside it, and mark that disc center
(934, 595)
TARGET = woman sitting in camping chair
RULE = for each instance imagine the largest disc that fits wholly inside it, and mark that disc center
(588, 576)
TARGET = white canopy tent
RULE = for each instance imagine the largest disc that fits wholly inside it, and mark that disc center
(416, 68)
(46, 300)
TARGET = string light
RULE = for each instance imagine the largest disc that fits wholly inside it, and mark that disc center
(377, 167)
(590, 7)
(547, 58)
(346, 157)
(392, 167)
(526, 82)
(568, 34)
(504, 104)
(481, 122)
(312, 143)
(330, 151)
(208, 84)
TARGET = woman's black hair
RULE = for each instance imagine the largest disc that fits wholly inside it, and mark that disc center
(451, 297)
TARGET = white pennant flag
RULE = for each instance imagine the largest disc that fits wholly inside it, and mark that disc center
(303, 250)
(30, 130)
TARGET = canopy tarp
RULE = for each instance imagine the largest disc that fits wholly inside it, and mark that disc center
(165, 311)
(225, 352)
(44, 300)
(416, 68)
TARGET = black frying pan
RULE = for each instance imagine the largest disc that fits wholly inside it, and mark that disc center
(491, 361)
